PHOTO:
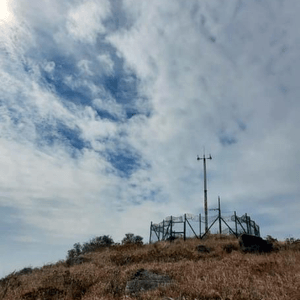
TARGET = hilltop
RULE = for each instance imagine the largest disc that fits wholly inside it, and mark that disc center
(223, 272)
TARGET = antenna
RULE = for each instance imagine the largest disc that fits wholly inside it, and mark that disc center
(205, 187)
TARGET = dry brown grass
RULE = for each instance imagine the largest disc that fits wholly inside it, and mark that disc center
(215, 275)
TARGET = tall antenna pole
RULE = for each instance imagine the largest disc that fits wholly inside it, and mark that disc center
(205, 188)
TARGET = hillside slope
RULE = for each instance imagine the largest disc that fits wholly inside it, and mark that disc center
(218, 274)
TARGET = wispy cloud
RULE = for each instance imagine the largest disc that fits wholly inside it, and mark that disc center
(106, 63)
(85, 21)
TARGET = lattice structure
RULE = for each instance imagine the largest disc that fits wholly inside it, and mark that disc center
(172, 227)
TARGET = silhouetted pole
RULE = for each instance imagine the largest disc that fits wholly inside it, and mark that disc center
(219, 214)
(235, 223)
(150, 233)
(250, 229)
(158, 232)
(220, 227)
(200, 226)
(247, 223)
(184, 228)
(205, 189)
(171, 227)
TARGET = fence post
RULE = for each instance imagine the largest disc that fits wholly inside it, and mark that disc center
(171, 228)
(184, 228)
(250, 229)
(150, 233)
(235, 223)
(220, 227)
(200, 226)
(163, 237)
(247, 223)
(159, 232)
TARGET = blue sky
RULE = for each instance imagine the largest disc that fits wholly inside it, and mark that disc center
(105, 105)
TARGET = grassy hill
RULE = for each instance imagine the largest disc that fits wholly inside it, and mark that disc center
(219, 274)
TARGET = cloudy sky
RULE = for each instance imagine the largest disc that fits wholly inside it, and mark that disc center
(105, 105)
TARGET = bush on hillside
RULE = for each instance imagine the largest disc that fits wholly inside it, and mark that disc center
(71, 254)
(25, 271)
(130, 238)
(97, 243)
(269, 238)
(289, 241)
(92, 245)
(77, 249)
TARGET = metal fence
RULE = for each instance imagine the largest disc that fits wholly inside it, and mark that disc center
(189, 225)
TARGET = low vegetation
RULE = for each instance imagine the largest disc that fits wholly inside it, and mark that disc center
(101, 268)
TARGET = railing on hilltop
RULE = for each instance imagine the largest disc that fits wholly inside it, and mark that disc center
(167, 228)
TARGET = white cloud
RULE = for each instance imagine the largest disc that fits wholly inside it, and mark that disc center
(110, 105)
(106, 63)
(93, 127)
(84, 66)
(49, 66)
(85, 21)
(24, 239)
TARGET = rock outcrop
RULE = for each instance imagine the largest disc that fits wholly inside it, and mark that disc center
(254, 244)
(144, 280)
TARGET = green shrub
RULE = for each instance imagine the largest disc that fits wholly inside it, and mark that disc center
(269, 238)
(92, 245)
(130, 238)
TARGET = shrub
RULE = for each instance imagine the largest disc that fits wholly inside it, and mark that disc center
(130, 238)
(77, 248)
(269, 238)
(71, 254)
(292, 243)
(93, 245)
(97, 243)
(289, 240)
(24, 271)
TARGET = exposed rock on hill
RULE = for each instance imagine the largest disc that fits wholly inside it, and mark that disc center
(144, 280)
(250, 243)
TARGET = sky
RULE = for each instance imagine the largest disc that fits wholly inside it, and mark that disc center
(105, 105)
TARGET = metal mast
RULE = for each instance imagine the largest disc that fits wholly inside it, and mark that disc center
(205, 188)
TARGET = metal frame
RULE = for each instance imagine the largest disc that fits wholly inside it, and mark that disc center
(251, 227)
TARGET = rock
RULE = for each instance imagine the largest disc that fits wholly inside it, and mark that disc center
(203, 249)
(144, 280)
(250, 243)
